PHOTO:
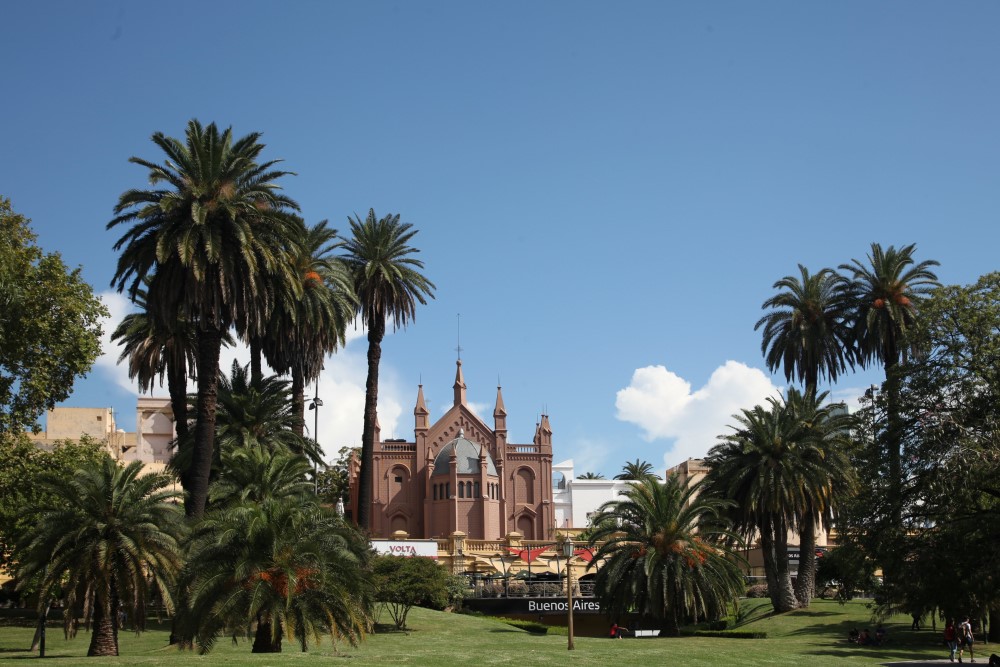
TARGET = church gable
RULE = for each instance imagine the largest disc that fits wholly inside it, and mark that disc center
(460, 418)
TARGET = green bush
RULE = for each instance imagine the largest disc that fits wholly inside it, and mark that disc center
(757, 591)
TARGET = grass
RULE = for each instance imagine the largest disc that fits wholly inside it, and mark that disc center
(816, 636)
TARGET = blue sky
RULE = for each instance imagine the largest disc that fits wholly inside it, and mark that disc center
(606, 192)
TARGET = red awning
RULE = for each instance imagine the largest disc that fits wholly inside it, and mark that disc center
(528, 555)
(584, 554)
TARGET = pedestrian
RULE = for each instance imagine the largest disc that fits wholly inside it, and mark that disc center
(916, 621)
(965, 639)
(951, 639)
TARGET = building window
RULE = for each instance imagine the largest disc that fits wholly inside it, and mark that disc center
(399, 479)
(435, 486)
(475, 490)
(461, 490)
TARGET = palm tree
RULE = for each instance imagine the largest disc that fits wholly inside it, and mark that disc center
(822, 435)
(258, 415)
(112, 535)
(591, 475)
(757, 467)
(665, 550)
(804, 332)
(388, 285)
(269, 562)
(637, 470)
(155, 349)
(304, 329)
(886, 294)
(211, 239)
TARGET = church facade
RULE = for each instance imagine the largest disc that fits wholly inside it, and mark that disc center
(458, 474)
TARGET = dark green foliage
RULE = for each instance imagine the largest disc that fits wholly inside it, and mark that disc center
(109, 542)
(23, 496)
(666, 552)
(268, 562)
(403, 583)
(637, 470)
(50, 326)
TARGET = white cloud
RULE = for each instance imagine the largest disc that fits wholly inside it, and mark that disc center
(663, 405)
(118, 306)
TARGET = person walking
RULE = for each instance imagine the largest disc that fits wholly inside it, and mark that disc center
(951, 639)
(965, 639)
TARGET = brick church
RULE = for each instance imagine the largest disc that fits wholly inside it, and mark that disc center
(458, 474)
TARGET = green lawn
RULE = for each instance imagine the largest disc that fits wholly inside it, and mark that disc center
(816, 636)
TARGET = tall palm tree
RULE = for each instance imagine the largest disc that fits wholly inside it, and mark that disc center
(804, 331)
(112, 535)
(269, 562)
(757, 466)
(212, 237)
(665, 550)
(886, 294)
(637, 470)
(591, 475)
(388, 285)
(304, 329)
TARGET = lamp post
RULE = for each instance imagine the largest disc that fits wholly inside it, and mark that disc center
(568, 553)
(315, 404)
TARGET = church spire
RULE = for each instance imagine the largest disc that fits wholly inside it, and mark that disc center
(420, 410)
(459, 385)
(500, 413)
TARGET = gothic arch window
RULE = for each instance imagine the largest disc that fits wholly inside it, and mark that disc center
(526, 527)
(398, 483)
(461, 490)
(524, 486)
(447, 490)
(475, 490)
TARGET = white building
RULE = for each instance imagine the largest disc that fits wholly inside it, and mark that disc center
(575, 501)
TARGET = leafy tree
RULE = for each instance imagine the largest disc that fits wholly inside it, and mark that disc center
(388, 285)
(886, 294)
(948, 429)
(403, 583)
(113, 537)
(269, 563)
(22, 494)
(51, 325)
(637, 470)
(334, 480)
(665, 551)
(212, 239)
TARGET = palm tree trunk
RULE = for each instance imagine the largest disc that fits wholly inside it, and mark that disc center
(376, 331)
(805, 582)
(299, 400)
(775, 542)
(177, 387)
(256, 366)
(103, 640)
(209, 346)
(266, 639)
(894, 463)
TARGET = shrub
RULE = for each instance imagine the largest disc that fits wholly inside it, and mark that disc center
(518, 588)
(757, 591)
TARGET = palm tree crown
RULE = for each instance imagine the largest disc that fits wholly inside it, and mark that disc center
(804, 332)
(665, 551)
(113, 536)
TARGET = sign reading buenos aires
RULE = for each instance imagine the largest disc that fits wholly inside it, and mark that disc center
(534, 606)
(542, 606)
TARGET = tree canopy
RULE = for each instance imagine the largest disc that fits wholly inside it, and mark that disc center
(51, 325)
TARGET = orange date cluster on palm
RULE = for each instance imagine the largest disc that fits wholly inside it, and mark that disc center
(278, 580)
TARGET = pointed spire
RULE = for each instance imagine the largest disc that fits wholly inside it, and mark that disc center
(500, 413)
(420, 411)
(459, 384)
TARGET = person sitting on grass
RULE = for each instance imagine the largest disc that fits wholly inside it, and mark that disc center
(866, 638)
(853, 636)
(880, 635)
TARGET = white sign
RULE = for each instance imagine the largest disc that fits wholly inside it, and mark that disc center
(408, 548)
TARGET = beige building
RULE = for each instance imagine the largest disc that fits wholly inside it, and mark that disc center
(149, 443)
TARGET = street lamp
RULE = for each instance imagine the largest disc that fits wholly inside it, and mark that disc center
(315, 405)
(568, 553)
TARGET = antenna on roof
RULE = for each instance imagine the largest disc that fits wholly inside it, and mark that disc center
(459, 336)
